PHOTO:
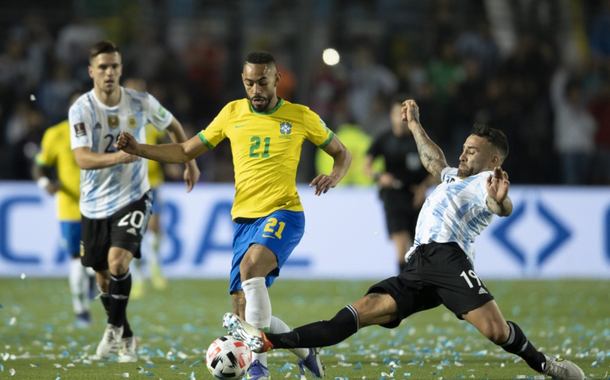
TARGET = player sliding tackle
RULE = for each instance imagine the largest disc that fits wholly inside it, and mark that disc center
(439, 266)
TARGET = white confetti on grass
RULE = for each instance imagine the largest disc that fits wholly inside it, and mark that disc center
(12, 321)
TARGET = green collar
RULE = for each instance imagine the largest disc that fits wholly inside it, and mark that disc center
(280, 101)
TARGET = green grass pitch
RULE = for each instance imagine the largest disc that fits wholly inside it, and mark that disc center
(39, 341)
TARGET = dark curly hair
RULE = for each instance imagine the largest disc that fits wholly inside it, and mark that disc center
(260, 57)
(496, 137)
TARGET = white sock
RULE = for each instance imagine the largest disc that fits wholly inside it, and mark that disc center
(278, 326)
(258, 309)
(79, 286)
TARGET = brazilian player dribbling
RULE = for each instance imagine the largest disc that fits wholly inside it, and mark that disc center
(266, 134)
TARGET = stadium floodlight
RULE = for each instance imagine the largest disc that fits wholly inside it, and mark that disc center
(331, 57)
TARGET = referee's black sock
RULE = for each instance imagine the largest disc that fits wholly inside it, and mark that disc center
(119, 289)
(518, 344)
(319, 334)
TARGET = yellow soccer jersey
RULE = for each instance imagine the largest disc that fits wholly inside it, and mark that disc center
(266, 149)
(56, 151)
(155, 170)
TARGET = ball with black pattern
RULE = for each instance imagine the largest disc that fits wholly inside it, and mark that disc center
(228, 358)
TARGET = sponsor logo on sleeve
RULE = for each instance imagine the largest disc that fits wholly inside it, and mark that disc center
(162, 112)
(324, 125)
(79, 130)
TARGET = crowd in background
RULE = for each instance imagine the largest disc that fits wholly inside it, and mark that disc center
(542, 76)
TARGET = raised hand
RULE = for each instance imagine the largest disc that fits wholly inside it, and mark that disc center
(410, 111)
(498, 184)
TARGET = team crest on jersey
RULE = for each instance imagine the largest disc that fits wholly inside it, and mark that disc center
(285, 128)
(113, 121)
(132, 122)
(79, 130)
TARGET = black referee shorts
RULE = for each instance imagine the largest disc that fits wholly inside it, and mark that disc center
(436, 273)
(124, 229)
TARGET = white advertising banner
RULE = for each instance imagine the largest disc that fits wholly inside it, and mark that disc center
(554, 232)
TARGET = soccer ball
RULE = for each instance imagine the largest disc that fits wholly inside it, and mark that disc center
(228, 358)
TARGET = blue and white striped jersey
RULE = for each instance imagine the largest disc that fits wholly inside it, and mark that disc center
(456, 211)
(94, 125)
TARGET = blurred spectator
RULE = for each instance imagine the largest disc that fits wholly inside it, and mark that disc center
(368, 79)
(600, 108)
(34, 33)
(54, 94)
(204, 60)
(21, 153)
(13, 66)
(73, 43)
(145, 55)
(574, 128)
(327, 84)
(468, 100)
(445, 72)
(599, 37)
(288, 84)
(478, 43)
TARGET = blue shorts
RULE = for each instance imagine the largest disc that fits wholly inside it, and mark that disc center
(280, 231)
(70, 238)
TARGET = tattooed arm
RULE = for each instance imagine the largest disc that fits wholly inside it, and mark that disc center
(431, 155)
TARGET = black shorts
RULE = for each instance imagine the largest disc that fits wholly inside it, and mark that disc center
(436, 274)
(399, 212)
(124, 229)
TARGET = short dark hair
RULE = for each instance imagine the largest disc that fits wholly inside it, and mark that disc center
(260, 57)
(496, 137)
(102, 47)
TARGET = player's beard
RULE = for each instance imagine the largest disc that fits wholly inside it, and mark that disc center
(464, 171)
(262, 107)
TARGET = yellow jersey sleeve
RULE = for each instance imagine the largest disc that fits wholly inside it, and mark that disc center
(215, 131)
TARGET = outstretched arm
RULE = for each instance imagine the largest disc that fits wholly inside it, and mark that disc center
(498, 200)
(342, 160)
(431, 155)
(191, 172)
(174, 153)
(88, 160)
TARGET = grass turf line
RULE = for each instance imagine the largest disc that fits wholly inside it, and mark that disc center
(38, 339)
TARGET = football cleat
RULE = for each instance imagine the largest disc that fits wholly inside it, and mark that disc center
(242, 330)
(258, 371)
(110, 342)
(127, 350)
(562, 369)
(312, 363)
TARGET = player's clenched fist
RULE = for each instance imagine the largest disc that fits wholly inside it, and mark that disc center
(127, 143)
